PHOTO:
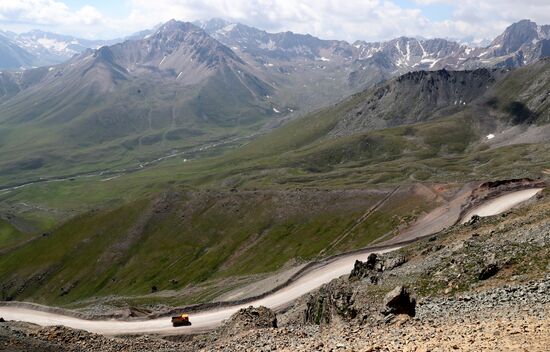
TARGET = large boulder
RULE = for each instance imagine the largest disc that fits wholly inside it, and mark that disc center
(250, 318)
(350, 300)
(399, 301)
(376, 264)
(335, 299)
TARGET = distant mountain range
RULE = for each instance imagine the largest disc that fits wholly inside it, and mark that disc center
(520, 44)
(311, 70)
(525, 39)
(182, 84)
(339, 68)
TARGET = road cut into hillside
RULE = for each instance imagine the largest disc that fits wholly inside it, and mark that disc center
(315, 276)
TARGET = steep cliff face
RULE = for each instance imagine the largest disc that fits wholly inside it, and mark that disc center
(416, 97)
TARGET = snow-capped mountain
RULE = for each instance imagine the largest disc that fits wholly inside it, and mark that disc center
(41, 48)
(524, 42)
(315, 64)
(279, 46)
(310, 71)
(411, 53)
(212, 25)
(521, 44)
(51, 48)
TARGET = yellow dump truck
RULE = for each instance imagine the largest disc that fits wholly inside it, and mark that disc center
(181, 320)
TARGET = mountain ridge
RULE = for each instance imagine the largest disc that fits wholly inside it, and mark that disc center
(525, 36)
(179, 86)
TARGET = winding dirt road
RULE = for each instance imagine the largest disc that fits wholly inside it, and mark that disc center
(310, 280)
(501, 204)
(201, 320)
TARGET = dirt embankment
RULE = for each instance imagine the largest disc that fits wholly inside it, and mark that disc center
(493, 189)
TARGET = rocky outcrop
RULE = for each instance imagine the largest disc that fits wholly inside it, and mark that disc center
(345, 299)
(374, 265)
(394, 262)
(367, 270)
(333, 300)
(416, 97)
(250, 318)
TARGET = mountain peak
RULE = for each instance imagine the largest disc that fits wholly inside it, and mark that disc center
(522, 26)
(523, 22)
(181, 48)
(515, 36)
(212, 25)
(104, 53)
(172, 34)
(174, 25)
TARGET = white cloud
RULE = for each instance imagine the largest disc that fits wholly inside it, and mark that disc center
(487, 18)
(336, 19)
(89, 15)
(49, 14)
(350, 20)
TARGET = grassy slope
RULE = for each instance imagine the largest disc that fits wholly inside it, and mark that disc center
(300, 155)
(85, 132)
(529, 87)
(198, 246)
(10, 236)
(191, 238)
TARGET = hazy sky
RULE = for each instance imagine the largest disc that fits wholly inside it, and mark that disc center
(331, 19)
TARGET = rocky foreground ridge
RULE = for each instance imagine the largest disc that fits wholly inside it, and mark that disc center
(484, 285)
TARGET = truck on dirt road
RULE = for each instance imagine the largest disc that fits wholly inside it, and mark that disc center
(181, 320)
